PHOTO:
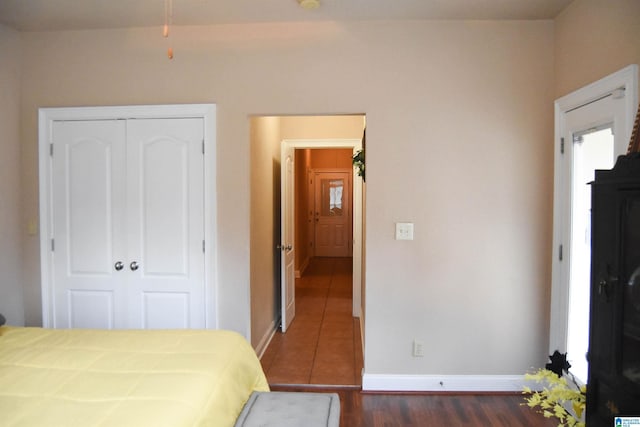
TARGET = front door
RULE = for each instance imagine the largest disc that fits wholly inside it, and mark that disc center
(332, 214)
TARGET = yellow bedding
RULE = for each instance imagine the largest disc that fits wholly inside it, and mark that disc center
(125, 378)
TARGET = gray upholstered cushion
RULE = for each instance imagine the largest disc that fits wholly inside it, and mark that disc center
(285, 409)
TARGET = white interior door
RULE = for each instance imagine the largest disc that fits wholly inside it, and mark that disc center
(332, 214)
(88, 199)
(165, 231)
(288, 279)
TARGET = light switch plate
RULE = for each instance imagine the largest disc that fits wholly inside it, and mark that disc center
(404, 231)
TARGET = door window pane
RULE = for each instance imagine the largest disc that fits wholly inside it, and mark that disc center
(332, 197)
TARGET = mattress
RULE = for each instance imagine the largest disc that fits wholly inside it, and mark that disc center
(73, 377)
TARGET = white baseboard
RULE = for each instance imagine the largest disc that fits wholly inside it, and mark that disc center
(303, 267)
(443, 383)
(266, 339)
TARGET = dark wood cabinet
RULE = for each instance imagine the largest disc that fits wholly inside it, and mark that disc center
(614, 333)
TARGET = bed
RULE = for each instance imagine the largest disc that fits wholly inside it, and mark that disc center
(73, 377)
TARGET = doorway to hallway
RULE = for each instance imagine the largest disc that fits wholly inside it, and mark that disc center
(311, 143)
(323, 344)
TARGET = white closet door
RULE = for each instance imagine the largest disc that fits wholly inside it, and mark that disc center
(165, 230)
(88, 202)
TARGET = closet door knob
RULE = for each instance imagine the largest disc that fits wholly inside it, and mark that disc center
(134, 266)
(119, 265)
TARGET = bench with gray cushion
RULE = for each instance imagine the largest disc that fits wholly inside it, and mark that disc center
(290, 409)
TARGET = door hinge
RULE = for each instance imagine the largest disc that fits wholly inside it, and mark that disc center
(51, 149)
(560, 253)
(53, 245)
(561, 145)
(203, 246)
(203, 146)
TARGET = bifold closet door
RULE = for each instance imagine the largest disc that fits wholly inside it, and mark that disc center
(128, 226)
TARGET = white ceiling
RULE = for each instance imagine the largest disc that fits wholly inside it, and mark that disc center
(52, 15)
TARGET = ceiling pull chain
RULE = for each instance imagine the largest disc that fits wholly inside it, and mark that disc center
(168, 20)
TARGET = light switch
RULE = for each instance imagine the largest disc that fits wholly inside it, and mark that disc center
(404, 231)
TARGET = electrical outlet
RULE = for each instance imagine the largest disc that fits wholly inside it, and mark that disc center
(418, 350)
(404, 231)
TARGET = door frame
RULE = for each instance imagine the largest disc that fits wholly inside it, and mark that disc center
(357, 208)
(627, 80)
(46, 118)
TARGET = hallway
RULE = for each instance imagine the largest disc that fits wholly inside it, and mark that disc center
(323, 344)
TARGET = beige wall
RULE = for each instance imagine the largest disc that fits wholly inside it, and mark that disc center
(459, 142)
(459, 118)
(460, 146)
(595, 38)
(11, 232)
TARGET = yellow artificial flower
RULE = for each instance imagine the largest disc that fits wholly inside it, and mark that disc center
(555, 397)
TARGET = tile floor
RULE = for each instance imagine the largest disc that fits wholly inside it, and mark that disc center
(323, 344)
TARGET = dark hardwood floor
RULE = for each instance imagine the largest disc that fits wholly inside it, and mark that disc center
(362, 409)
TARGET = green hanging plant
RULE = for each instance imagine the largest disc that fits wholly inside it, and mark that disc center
(358, 163)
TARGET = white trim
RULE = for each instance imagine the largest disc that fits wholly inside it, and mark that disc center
(266, 339)
(303, 267)
(444, 383)
(355, 144)
(626, 78)
(46, 117)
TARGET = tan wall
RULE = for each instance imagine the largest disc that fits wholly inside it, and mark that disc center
(338, 158)
(265, 227)
(302, 235)
(459, 119)
(11, 231)
(323, 127)
(595, 38)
